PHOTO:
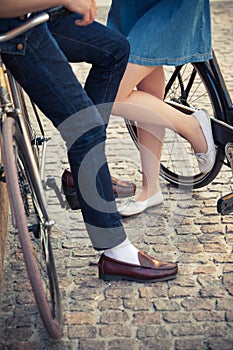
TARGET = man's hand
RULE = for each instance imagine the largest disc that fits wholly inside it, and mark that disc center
(87, 8)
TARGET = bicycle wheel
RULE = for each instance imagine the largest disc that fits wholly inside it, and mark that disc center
(188, 87)
(3, 218)
(33, 227)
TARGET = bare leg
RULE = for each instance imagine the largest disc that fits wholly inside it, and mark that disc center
(150, 80)
(150, 143)
(143, 107)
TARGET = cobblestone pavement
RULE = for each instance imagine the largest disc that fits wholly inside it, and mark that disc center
(192, 312)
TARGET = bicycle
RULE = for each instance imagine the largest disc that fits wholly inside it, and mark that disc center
(189, 87)
(23, 150)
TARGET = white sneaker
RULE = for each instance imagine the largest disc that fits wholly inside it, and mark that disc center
(133, 207)
(206, 160)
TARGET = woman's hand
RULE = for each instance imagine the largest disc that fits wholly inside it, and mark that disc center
(87, 8)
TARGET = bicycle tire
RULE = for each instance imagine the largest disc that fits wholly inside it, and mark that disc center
(34, 240)
(4, 206)
(189, 87)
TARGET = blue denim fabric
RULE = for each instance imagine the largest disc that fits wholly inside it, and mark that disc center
(47, 77)
(12, 45)
(164, 32)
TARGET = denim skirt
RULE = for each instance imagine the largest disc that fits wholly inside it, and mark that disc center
(164, 32)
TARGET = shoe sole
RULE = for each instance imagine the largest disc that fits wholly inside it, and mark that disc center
(139, 212)
(209, 126)
(140, 280)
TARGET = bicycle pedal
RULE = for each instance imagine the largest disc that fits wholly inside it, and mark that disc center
(225, 204)
(229, 154)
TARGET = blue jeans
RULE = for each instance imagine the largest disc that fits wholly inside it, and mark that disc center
(81, 114)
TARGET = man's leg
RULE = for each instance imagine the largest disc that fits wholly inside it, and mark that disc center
(106, 50)
(59, 95)
(57, 92)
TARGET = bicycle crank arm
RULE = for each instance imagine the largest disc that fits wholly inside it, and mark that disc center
(225, 204)
(229, 154)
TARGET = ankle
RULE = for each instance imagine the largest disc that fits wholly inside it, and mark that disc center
(146, 193)
(125, 251)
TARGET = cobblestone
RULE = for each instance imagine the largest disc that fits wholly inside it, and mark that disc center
(194, 311)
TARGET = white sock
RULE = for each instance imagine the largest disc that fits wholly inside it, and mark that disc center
(125, 251)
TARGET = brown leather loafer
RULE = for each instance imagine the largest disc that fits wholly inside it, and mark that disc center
(149, 270)
(121, 189)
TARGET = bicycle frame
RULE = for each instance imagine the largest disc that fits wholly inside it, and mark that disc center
(222, 127)
(5, 102)
(26, 192)
(20, 104)
(224, 95)
(214, 74)
(14, 109)
(8, 83)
